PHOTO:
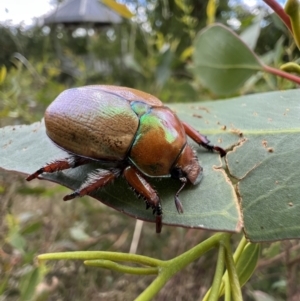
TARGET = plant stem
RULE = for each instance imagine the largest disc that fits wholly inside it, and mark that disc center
(232, 274)
(280, 12)
(227, 294)
(225, 281)
(239, 250)
(113, 256)
(291, 77)
(178, 263)
(121, 268)
(215, 288)
(237, 254)
(164, 269)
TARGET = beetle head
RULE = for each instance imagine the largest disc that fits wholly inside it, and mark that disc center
(187, 166)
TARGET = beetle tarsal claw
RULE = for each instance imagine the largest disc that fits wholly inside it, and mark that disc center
(35, 175)
(71, 196)
(220, 150)
(213, 148)
(158, 221)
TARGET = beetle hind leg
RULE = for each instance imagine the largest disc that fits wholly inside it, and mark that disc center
(95, 180)
(144, 189)
(61, 164)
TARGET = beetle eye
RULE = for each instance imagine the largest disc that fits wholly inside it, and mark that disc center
(177, 173)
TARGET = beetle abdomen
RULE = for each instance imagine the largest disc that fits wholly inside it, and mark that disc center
(92, 123)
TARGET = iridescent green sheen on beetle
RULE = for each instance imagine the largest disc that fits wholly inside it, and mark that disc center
(133, 131)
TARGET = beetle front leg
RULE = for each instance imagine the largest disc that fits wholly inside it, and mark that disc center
(97, 179)
(144, 189)
(201, 139)
(57, 165)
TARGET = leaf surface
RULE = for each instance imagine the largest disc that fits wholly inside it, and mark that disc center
(211, 205)
(262, 134)
(223, 62)
(263, 131)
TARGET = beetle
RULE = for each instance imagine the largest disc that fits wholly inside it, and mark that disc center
(130, 129)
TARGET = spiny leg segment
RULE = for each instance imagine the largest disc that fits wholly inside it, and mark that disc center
(95, 180)
(144, 189)
(102, 177)
(57, 165)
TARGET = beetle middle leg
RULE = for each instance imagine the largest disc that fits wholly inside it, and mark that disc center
(97, 179)
(201, 139)
(143, 188)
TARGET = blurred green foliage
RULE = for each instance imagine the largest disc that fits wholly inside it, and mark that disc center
(151, 53)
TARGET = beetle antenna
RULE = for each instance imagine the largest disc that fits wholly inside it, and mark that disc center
(178, 204)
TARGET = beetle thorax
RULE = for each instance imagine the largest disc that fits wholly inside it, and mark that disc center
(159, 141)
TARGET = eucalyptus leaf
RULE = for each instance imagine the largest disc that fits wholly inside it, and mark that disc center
(222, 61)
(263, 131)
(251, 34)
(262, 135)
(265, 163)
(210, 205)
(29, 283)
(246, 264)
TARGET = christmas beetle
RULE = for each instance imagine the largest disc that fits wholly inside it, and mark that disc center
(131, 130)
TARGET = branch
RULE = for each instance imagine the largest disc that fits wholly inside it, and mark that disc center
(291, 77)
(280, 12)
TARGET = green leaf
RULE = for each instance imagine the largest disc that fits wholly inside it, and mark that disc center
(292, 8)
(266, 164)
(14, 238)
(29, 283)
(3, 72)
(119, 8)
(163, 70)
(223, 62)
(261, 296)
(131, 63)
(211, 205)
(211, 10)
(17, 241)
(4, 284)
(31, 228)
(251, 34)
(262, 132)
(246, 264)
(290, 67)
